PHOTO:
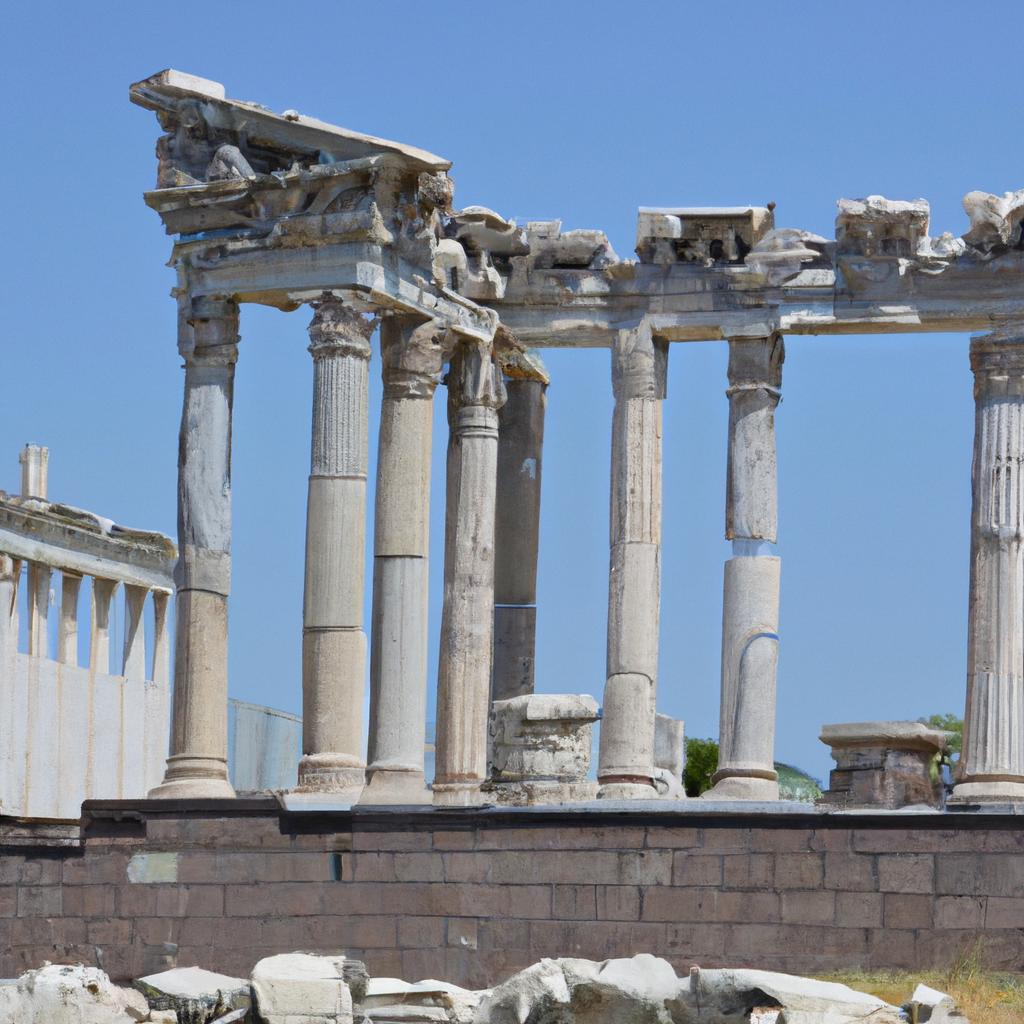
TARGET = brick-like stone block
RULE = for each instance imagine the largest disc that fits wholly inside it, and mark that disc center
(780, 840)
(908, 911)
(561, 838)
(799, 871)
(461, 839)
(507, 934)
(906, 872)
(186, 900)
(462, 932)
(133, 900)
(665, 904)
(90, 901)
(971, 874)
(110, 932)
(859, 909)
(851, 871)
(41, 871)
(383, 840)
(39, 901)
(892, 947)
(696, 868)
(748, 871)
(574, 902)
(669, 837)
(617, 902)
(1004, 912)
(108, 868)
(727, 840)
(959, 912)
(421, 932)
(747, 906)
(419, 867)
(814, 907)
(695, 942)
(831, 840)
(8, 900)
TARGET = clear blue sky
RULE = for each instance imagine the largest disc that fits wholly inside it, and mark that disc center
(582, 112)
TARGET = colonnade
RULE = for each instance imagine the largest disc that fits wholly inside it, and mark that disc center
(491, 535)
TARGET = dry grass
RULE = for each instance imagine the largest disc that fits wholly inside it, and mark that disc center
(983, 996)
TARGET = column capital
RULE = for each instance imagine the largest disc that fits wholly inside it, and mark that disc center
(474, 378)
(338, 330)
(755, 364)
(413, 354)
(639, 363)
(208, 331)
(997, 361)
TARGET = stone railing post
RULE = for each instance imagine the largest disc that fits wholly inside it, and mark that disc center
(992, 763)
(626, 758)
(475, 393)
(517, 537)
(750, 613)
(333, 638)
(412, 355)
(197, 765)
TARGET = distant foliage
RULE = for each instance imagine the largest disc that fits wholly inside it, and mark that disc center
(701, 764)
(950, 723)
(795, 784)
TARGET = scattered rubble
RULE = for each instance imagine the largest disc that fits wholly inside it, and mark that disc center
(306, 988)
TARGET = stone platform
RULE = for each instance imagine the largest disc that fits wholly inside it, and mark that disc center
(474, 895)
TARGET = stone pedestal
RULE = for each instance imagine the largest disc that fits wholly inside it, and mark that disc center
(198, 763)
(540, 748)
(992, 762)
(412, 359)
(475, 393)
(669, 756)
(626, 758)
(333, 639)
(517, 536)
(883, 764)
(750, 605)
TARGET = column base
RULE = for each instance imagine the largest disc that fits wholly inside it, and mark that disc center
(194, 778)
(395, 786)
(999, 791)
(742, 787)
(626, 791)
(460, 794)
(331, 773)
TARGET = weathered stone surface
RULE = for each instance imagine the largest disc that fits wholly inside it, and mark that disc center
(301, 988)
(541, 738)
(194, 994)
(59, 994)
(883, 764)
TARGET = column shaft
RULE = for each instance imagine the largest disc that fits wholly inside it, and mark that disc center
(750, 605)
(476, 392)
(517, 537)
(333, 639)
(197, 765)
(412, 359)
(992, 762)
(626, 758)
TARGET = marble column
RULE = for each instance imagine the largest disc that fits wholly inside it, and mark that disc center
(517, 537)
(992, 762)
(333, 638)
(750, 609)
(10, 576)
(198, 766)
(412, 356)
(475, 393)
(626, 757)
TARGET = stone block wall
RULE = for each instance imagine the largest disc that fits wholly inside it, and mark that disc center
(473, 896)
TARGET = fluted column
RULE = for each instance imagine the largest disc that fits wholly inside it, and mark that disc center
(333, 638)
(626, 758)
(750, 609)
(992, 761)
(517, 537)
(412, 356)
(198, 766)
(475, 393)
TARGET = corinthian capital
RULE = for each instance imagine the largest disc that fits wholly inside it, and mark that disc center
(474, 378)
(338, 330)
(755, 364)
(413, 354)
(639, 363)
(997, 360)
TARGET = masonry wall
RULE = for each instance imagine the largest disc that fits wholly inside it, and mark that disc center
(471, 897)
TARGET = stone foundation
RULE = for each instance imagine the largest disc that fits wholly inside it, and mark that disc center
(471, 896)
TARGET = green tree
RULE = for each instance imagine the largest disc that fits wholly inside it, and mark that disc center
(701, 764)
(949, 723)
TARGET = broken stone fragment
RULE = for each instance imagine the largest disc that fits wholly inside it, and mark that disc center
(995, 220)
(62, 994)
(783, 251)
(934, 1007)
(303, 988)
(196, 995)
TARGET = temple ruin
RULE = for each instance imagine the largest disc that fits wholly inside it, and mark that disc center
(287, 211)
(513, 851)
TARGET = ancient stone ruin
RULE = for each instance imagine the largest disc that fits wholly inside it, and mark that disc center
(284, 210)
